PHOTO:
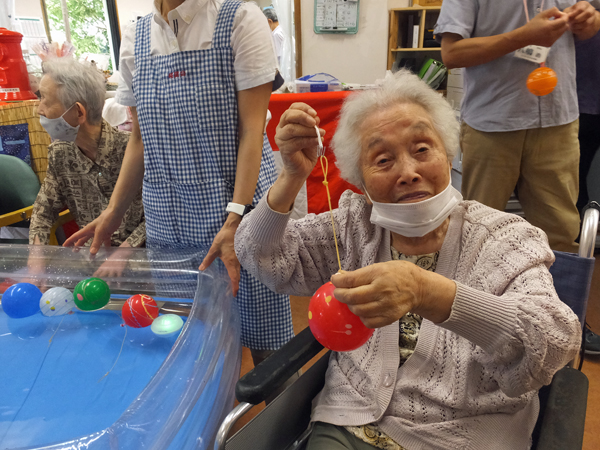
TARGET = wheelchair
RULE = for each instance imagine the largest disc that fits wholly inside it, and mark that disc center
(563, 403)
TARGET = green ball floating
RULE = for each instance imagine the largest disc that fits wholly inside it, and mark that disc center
(91, 294)
(166, 325)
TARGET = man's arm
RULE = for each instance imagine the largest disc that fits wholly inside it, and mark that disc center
(544, 29)
(127, 187)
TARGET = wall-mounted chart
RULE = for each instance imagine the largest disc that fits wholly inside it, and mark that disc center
(336, 16)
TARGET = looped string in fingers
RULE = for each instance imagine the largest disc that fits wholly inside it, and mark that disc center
(321, 148)
(325, 167)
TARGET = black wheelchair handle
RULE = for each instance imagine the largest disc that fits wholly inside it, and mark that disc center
(591, 204)
(270, 374)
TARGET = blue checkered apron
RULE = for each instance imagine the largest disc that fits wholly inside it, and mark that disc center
(187, 110)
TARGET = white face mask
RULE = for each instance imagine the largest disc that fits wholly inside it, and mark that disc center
(59, 129)
(415, 219)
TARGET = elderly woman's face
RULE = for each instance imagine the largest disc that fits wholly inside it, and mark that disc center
(50, 106)
(403, 159)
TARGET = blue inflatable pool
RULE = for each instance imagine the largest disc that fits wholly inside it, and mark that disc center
(85, 380)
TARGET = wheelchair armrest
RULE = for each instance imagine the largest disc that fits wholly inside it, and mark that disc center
(270, 374)
(17, 216)
(562, 421)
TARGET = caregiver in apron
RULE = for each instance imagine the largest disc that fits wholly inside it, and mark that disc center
(198, 75)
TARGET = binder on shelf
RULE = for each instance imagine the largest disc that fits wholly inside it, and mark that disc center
(410, 31)
(415, 39)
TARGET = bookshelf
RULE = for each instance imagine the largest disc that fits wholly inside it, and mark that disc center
(400, 34)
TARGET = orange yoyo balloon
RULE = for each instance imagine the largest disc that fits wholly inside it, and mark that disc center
(541, 81)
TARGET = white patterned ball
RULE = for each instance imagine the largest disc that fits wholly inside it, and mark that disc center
(57, 302)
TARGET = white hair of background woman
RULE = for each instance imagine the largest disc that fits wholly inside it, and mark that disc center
(402, 87)
(78, 82)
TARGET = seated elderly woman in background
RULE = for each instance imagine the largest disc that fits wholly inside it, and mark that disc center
(84, 158)
(468, 324)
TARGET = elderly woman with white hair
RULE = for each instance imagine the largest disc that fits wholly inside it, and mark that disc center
(467, 323)
(85, 157)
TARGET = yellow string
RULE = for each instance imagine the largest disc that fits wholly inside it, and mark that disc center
(56, 331)
(325, 168)
(118, 356)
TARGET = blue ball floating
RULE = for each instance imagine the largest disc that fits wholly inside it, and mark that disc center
(21, 300)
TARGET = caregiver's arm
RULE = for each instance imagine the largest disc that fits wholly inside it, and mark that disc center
(252, 113)
(297, 140)
(126, 189)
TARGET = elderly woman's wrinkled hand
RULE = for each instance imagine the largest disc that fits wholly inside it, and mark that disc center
(297, 139)
(382, 293)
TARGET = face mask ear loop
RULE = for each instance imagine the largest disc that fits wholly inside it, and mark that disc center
(325, 168)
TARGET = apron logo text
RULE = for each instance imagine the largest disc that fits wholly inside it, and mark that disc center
(177, 74)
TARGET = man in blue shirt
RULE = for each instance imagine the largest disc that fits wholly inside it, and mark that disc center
(511, 138)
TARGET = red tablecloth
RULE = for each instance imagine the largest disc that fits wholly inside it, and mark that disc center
(327, 105)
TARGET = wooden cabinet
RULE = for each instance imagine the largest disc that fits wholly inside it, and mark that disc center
(402, 21)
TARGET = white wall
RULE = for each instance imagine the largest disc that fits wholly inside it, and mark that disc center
(127, 10)
(28, 8)
(357, 58)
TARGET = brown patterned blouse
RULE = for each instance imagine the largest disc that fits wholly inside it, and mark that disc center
(85, 186)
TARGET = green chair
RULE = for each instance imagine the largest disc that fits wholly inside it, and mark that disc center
(19, 187)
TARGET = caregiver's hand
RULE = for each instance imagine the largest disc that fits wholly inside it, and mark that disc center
(223, 248)
(101, 229)
(297, 139)
(382, 293)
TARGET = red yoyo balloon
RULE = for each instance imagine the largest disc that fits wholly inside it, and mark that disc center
(139, 311)
(333, 324)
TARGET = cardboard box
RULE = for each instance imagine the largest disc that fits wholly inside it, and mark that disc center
(454, 95)
(455, 78)
(320, 82)
(308, 86)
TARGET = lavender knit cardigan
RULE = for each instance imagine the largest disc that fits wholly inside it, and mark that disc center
(472, 381)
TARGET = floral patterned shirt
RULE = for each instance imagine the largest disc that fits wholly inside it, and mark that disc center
(85, 186)
(409, 324)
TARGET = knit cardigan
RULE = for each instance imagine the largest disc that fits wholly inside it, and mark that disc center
(472, 381)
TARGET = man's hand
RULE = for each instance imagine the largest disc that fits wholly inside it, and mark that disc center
(101, 229)
(545, 28)
(584, 20)
(223, 247)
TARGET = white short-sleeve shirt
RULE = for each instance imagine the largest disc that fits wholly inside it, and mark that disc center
(190, 27)
(278, 39)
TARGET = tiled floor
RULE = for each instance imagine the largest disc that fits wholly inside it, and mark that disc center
(591, 365)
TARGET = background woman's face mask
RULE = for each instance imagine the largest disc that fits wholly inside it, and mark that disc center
(415, 219)
(59, 129)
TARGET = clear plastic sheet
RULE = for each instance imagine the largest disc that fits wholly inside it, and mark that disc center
(162, 393)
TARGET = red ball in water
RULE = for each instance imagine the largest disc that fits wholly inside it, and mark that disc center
(139, 311)
(542, 81)
(333, 324)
